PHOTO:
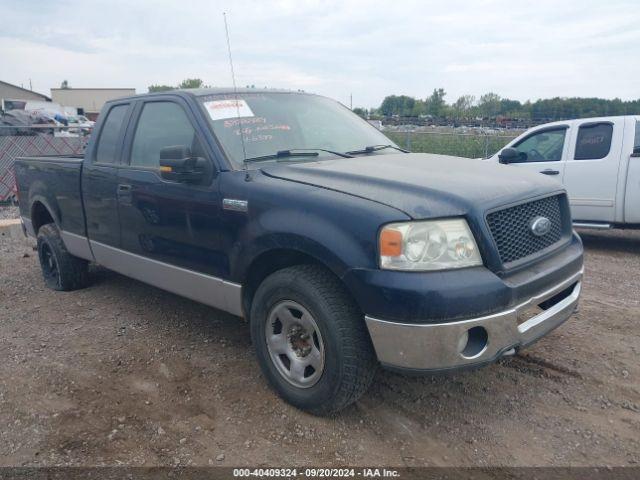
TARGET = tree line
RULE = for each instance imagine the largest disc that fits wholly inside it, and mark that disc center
(186, 83)
(468, 107)
(492, 106)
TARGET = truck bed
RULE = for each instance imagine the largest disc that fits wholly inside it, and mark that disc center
(53, 181)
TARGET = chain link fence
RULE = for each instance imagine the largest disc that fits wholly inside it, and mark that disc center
(32, 141)
(471, 145)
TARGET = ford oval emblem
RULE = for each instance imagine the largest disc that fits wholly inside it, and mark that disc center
(540, 226)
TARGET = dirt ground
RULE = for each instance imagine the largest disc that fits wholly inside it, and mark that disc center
(123, 373)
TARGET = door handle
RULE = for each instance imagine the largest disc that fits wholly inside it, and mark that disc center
(123, 192)
(550, 172)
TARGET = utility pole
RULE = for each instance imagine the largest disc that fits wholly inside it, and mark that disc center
(30, 85)
(351, 101)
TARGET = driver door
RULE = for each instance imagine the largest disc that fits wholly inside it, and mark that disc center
(544, 151)
(174, 223)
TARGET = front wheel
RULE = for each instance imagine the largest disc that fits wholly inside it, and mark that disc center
(311, 340)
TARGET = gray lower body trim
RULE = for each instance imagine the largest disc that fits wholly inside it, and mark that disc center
(77, 245)
(591, 202)
(28, 226)
(200, 287)
(597, 226)
(430, 347)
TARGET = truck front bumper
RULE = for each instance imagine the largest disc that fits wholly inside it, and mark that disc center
(430, 347)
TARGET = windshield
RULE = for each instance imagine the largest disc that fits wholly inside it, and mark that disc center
(275, 122)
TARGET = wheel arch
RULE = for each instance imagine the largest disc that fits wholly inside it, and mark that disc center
(272, 260)
(41, 214)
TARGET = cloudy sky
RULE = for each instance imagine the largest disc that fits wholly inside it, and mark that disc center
(518, 49)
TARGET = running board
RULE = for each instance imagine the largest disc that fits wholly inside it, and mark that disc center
(597, 226)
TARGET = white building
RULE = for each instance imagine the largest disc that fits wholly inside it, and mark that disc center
(88, 100)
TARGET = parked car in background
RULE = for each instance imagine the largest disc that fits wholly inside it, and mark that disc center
(81, 124)
(85, 121)
(597, 160)
(342, 250)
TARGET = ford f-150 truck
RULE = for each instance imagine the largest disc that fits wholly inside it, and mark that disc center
(343, 251)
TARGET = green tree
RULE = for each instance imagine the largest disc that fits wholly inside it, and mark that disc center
(435, 104)
(419, 108)
(64, 84)
(462, 107)
(510, 108)
(401, 105)
(191, 83)
(360, 111)
(374, 113)
(489, 105)
(525, 112)
(160, 88)
(186, 83)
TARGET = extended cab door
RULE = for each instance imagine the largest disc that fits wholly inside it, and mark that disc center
(172, 222)
(591, 171)
(543, 151)
(100, 176)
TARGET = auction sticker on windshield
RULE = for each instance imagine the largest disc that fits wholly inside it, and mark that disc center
(223, 109)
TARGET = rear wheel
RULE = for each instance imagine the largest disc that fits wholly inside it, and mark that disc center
(311, 340)
(60, 269)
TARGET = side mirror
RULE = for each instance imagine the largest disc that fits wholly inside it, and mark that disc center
(178, 165)
(509, 155)
(636, 151)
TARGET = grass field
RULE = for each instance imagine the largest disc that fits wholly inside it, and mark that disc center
(460, 145)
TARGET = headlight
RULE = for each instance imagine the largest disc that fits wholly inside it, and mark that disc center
(428, 245)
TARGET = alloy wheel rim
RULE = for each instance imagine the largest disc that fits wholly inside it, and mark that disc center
(49, 263)
(295, 344)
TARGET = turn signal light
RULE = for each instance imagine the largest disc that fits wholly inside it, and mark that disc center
(390, 243)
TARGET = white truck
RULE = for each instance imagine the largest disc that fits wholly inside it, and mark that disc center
(597, 160)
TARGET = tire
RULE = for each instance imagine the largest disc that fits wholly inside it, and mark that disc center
(315, 299)
(60, 270)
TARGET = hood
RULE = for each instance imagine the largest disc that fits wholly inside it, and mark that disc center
(419, 184)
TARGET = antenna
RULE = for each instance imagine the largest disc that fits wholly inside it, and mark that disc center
(235, 93)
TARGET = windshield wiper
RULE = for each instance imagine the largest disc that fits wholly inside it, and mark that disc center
(295, 152)
(375, 148)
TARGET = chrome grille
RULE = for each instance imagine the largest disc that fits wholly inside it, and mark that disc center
(511, 228)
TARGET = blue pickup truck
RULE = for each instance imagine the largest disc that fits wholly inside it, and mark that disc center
(343, 251)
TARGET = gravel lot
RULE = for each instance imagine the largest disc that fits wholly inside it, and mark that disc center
(9, 212)
(123, 373)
